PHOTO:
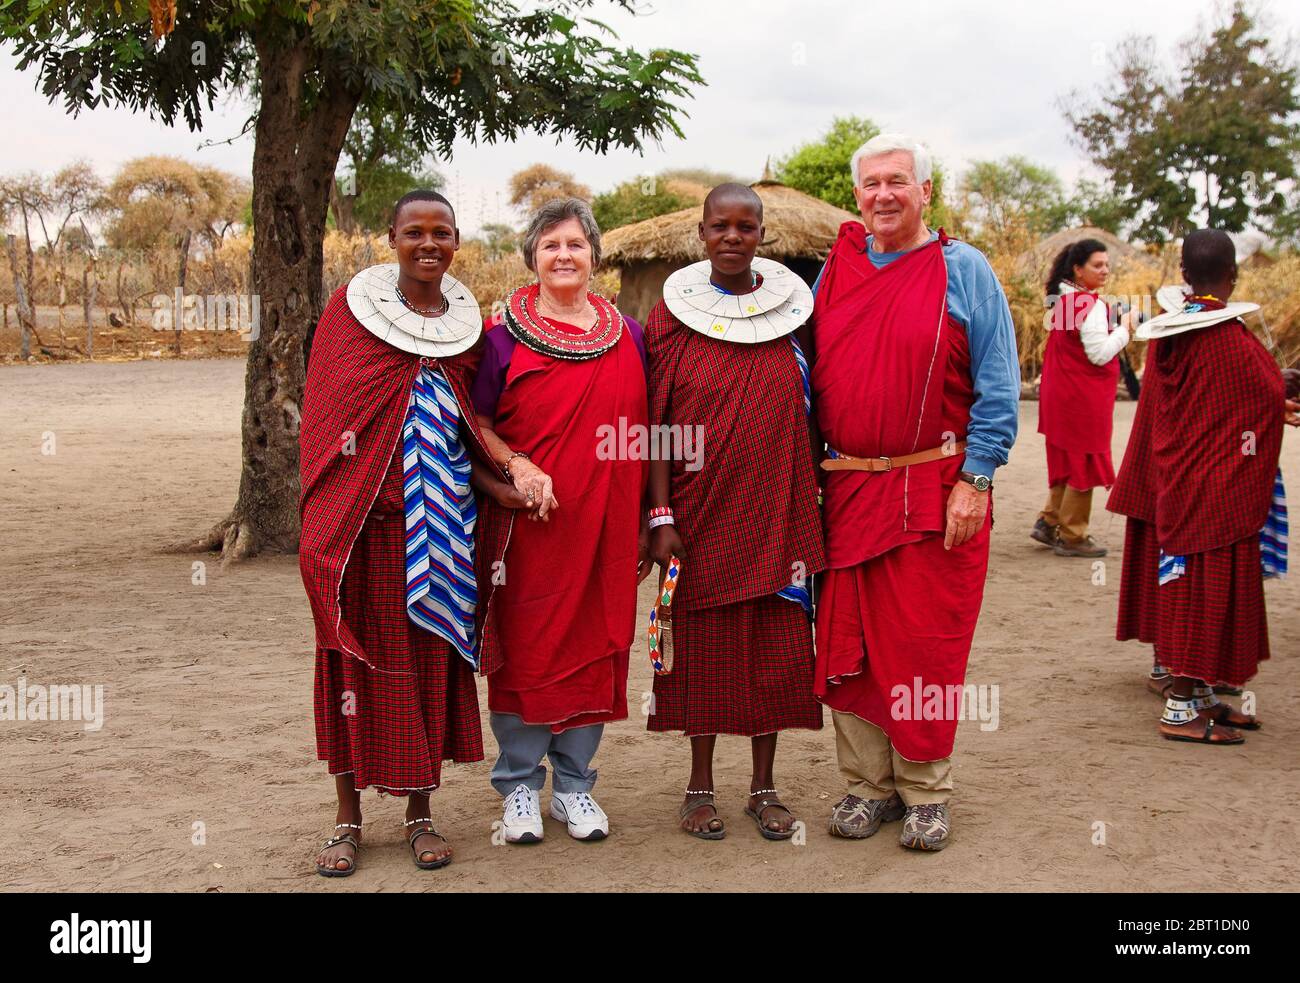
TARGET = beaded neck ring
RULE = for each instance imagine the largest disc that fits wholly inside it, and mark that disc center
(530, 328)
(424, 312)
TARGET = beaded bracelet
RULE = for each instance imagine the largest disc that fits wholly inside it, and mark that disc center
(661, 520)
(659, 510)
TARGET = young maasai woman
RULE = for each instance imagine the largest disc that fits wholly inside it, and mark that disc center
(1199, 484)
(388, 518)
(741, 512)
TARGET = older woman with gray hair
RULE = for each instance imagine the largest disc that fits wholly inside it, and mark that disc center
(563, 371)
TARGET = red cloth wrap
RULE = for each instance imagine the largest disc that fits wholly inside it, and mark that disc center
(893, 375)
(355, 400)
(1076, 399)
(750, 514)
(1216, 387)
(878, 386)
(565, 616)
(1080, 471)
(1134, 493)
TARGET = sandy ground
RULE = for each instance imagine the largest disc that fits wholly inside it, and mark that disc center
(208, 698)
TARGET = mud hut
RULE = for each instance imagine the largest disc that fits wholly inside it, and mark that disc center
(800, 232)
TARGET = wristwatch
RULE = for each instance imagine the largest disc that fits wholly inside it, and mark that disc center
(980, 482)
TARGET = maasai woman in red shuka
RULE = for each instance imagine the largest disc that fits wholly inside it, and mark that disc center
(562, 373)
(1076, 399)
(1198, 483)
(387, 530)
(739, 510)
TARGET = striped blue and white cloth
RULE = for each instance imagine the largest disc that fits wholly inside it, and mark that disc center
(1272, 542)
(799, 593)
(441, 592)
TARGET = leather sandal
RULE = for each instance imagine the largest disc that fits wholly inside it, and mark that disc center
(1226, 716)
(416, 834)
(1207, 735)
(765, 802)
(715, 829)
(334, 841)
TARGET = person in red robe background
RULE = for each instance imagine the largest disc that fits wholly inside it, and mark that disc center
(914, 363)
(1076, 399)
(562, 367)
(394, 697)
(1198, 485)
(743, 513)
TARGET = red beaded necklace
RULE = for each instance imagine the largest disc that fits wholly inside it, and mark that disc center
(526, 323)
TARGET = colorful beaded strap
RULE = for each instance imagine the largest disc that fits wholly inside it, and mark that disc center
(661, 620)
(530, 328)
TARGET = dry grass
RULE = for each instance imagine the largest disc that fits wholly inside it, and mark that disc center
(797, 225)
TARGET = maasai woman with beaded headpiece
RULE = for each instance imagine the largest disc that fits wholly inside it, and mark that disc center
(739, 513)
(388, 523)
(563, 369)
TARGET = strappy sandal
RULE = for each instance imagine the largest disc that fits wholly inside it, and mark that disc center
(416, 834)
(697, 800)
(334, 841)
(1229, 717)
(767, 800)
(1206, 736)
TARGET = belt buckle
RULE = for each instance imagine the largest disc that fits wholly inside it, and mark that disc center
(889, 464)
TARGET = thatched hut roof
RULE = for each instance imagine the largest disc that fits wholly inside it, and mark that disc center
(1036, 260)
(797, 225)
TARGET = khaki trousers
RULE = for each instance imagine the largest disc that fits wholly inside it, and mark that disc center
(874, 770)
(1069, 509)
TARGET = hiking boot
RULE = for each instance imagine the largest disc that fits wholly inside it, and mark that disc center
(1086, 546)
(925, 827)
(856, 819)
(1043, 533)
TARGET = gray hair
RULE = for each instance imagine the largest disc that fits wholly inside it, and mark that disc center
(550, 215)
(885, 143)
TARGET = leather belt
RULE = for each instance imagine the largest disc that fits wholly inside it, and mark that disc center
(877, 464)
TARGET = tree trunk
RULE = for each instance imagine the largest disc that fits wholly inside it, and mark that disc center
(22, 304)
(88, 289)
(178, 309)
(294, 156)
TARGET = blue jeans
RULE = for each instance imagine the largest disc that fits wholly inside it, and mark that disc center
(524, 745)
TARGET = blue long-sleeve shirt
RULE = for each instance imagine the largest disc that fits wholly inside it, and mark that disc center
(976, 301)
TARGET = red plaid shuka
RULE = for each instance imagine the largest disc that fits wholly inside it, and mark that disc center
(354, 403)
(392, 722)
(744, 668)
(1210, 623)
(749, 516)
(1198, 473)
(1139, 581)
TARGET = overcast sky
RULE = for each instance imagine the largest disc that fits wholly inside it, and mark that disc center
(972, 80)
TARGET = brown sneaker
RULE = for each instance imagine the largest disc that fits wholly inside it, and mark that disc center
(1043, 533)
(856, 819)
(925, 827)
(1079, 547)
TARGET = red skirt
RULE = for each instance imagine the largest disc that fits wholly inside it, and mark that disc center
(1211, 623)
(1139, 581)
(743, 668)
(1080, 471)
(903, 619)
(392, 726)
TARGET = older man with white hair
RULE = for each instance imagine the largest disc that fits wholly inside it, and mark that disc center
(915, 387)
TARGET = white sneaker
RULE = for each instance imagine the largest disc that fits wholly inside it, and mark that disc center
(521, 820)
(585, 819)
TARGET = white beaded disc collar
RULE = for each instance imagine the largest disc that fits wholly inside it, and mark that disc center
(372, 298)
(780, 303)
